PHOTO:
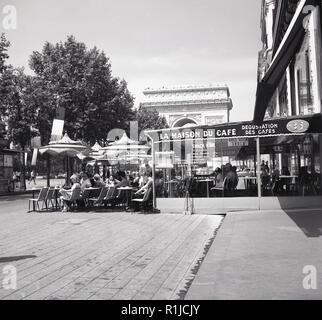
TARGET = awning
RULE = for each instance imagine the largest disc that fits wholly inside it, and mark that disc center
(281, 60)
(293, 125)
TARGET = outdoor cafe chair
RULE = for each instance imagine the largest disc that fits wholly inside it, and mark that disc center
(220, 188)
(75, 196)
(50, 198)
(85, 196)
(144, 202)
(116, 198)
(41, 198)
(100, 197)
(110, 195)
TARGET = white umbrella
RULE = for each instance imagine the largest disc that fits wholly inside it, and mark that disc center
(64, 146)
(125, 144)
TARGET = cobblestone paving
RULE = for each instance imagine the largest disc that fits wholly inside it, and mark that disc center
(100, 255)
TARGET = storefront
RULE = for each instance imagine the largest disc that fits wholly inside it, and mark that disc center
(238, 165)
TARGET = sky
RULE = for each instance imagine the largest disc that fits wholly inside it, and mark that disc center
(152, 43)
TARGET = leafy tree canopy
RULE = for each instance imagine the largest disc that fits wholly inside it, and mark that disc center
(79, 79)
(150, 119)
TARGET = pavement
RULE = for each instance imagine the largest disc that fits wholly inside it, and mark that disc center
(99, 254)
(270, 254)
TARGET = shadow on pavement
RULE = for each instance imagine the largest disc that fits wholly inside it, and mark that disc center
(15, 258)
(310, 222)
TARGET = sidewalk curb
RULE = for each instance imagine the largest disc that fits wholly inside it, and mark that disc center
(15, 193)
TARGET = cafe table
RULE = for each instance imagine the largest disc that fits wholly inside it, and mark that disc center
(170, 184)
(288, 177)
(291, 179)
(56, 194)
(207, 181)
(128, 191)
(248, 181)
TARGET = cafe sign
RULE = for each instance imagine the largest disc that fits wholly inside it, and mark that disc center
(247, 129)
(268, 128)
(298, 126)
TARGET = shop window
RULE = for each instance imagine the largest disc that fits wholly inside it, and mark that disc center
(290, 165)
(218, 167)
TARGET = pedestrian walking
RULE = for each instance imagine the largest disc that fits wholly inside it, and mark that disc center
(32, 176)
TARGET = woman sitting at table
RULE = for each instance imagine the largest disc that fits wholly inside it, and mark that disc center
(141, 192)
(66, 194)
(110, 182)
(85, 182)
(218, 182)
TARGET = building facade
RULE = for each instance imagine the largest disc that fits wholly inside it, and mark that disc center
(290, 81)
(190, 105)
(289, 68)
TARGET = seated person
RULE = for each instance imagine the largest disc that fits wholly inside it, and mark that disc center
(218, 182)
(147, 185)
(97, 181)
(141, 192)
(232, 178)
(86, 182)
(136, 179)
(123, 182)
(66, 194)
(110, 181)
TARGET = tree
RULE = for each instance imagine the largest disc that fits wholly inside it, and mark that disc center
(4, 45)
(15, 94)
(79, 79)
(18, 110)
(150, 119)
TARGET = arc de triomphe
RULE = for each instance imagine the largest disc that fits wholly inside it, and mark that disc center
(188, 105)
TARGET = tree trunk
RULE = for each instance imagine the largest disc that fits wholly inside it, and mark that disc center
(23, 172)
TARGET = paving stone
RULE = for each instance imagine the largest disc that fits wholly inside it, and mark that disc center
(99, 255)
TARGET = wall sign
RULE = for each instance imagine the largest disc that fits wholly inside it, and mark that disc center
(298, 126)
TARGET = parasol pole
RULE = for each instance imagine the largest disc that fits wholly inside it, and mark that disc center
(48, 170)
(68, 173)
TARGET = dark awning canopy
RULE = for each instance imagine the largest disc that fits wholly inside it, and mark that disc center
(286, 51)
(294, 125)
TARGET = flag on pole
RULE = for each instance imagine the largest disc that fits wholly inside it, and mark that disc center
(34, 157)
(58, 124)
